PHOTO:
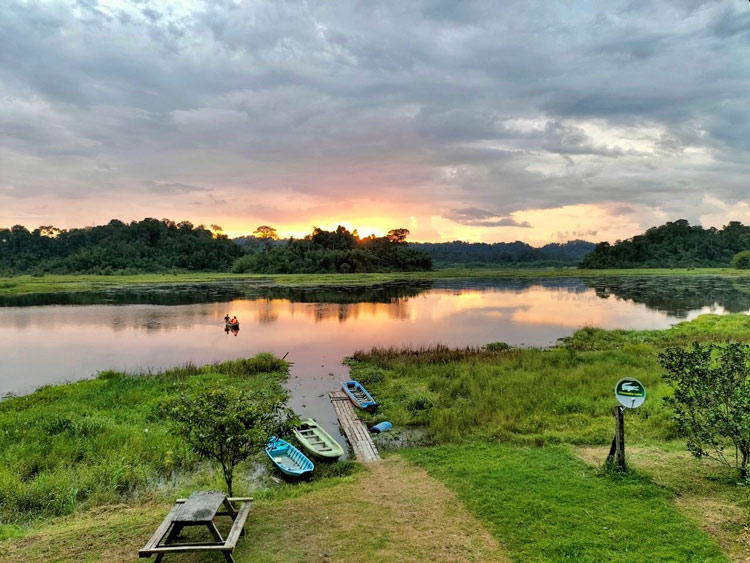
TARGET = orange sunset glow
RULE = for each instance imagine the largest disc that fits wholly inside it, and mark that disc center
(449, 147)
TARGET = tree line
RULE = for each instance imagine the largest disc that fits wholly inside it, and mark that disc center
(508, 254)
(338, 251)
(150, 245)
(676, 244)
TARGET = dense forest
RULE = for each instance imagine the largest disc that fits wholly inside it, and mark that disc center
(153, 245)
(508, 254)
(332, 251)
(150, 245)
(674, 245)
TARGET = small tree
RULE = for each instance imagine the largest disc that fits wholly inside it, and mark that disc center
(741, 260)
(228, 425)
(711, 399)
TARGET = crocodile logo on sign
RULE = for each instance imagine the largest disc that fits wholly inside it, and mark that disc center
(630, 392)
(631, 389)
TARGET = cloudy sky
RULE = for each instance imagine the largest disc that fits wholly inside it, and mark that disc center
(481, 120)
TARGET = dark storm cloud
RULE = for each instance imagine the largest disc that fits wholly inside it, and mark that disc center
(503, 106)
(480, 218)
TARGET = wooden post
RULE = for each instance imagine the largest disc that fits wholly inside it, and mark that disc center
(620, 436)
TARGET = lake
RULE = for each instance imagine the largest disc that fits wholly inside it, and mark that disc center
(64, 337)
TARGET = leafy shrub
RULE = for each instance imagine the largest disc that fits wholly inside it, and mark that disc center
(711, 399)
(741, 260)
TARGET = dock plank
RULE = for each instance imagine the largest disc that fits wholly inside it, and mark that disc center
(354, 429)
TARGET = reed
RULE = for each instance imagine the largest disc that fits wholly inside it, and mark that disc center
(533, 396)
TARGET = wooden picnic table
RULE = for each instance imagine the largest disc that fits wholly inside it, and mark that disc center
(199, 509)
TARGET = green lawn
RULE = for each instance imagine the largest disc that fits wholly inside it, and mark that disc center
(546, 505)
(53, 283)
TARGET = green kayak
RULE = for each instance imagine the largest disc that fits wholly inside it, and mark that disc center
(316, 441)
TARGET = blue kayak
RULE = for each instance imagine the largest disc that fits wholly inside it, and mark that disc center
(288, 459)
(382, 427)
(359, 395)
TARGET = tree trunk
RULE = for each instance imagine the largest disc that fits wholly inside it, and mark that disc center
(743, 465)
(228, 477)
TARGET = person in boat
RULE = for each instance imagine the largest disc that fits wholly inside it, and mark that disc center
(234, 321)
(226, 319)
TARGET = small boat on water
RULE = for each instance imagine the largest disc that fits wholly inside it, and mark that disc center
(316, 441)
(359, 395)
(288, 459)
(233, 326)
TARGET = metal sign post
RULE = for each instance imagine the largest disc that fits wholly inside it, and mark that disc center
(631, 394)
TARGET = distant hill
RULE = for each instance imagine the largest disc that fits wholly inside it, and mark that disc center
(673, 245)
(506, 254)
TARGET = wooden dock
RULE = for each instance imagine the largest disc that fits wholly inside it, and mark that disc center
(356, 432)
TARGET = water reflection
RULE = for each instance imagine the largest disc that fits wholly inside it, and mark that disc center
(677, 296)
(318, 327)
(218, 292)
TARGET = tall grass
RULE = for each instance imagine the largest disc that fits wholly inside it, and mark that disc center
(532, 396)
(106, 439)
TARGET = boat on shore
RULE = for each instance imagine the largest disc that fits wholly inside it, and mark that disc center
(288, 459)
(316, 441)
(359, 395)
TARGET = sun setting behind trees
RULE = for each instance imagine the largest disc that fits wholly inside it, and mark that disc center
(434, 234)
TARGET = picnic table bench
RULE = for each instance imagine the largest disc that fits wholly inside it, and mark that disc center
(199, 509)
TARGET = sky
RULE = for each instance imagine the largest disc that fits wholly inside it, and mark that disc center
(540, 121)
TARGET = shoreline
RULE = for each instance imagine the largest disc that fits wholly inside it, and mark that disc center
(68, 283)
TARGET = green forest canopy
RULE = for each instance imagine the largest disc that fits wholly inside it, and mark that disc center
(153, 245)
(676, 244)
(339, 251)
(149, 245)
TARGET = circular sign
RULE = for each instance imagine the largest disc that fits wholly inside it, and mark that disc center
(630, 392)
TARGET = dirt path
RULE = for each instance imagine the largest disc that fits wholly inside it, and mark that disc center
(390, 511)
(393, 512)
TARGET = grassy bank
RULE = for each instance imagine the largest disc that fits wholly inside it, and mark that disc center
(105, 440)
(53, 283)
(501, 423)
(532, 396)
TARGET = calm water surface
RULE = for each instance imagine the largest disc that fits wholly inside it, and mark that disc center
(52, 339)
